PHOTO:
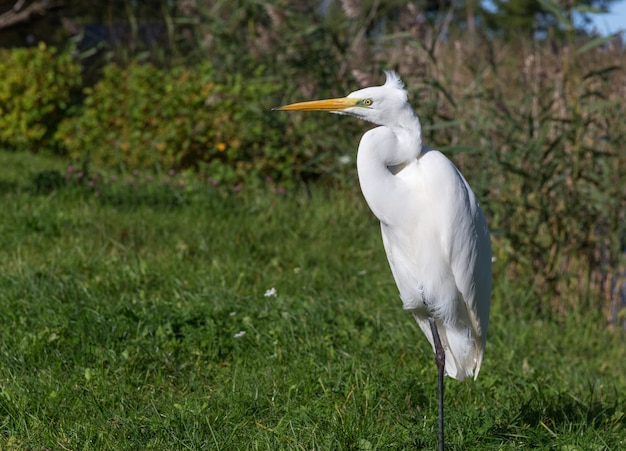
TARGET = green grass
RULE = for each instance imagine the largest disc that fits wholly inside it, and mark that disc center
(123, 320)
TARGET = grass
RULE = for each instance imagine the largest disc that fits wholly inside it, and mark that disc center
(143, 317)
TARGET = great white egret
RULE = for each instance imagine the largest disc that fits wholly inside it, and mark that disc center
(433, 228)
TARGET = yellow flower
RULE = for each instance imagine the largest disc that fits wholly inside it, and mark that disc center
(220, 146)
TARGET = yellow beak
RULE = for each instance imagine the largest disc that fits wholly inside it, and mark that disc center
(321, 105)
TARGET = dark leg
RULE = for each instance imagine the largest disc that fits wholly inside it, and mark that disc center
(440, 359)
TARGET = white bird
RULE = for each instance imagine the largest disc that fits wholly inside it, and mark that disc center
(433, 228)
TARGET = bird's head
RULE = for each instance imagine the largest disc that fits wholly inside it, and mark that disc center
(382, 105)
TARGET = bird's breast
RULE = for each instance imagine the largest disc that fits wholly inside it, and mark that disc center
(419, 265)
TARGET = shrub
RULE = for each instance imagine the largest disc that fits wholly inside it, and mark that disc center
(139, 116)
(145, 117)
(561, 191)
(36, 88)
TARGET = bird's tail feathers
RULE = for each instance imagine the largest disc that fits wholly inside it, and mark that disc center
(463, 353)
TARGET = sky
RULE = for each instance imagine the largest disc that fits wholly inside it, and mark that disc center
(605, 24)
(613, 21)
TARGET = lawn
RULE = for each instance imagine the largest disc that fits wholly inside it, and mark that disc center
(170, 314)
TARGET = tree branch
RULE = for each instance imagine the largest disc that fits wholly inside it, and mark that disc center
(18, 15)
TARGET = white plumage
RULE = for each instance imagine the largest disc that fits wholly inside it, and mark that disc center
(433, 229)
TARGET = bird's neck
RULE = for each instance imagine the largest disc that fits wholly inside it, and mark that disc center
(408, 141)
(384, 153)
(409, 146)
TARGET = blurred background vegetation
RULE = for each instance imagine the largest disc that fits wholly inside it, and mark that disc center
(520, 94)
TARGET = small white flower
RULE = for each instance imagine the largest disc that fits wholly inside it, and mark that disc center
(271, 292)
(345, 159)
(239, 334)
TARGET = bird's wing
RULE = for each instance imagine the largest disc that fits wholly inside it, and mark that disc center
(463, 294)
(470, 261)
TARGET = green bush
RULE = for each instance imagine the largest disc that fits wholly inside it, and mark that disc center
(36, 88)
(145, 117)
(140, 116)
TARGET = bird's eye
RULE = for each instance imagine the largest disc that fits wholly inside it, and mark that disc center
(366, 102)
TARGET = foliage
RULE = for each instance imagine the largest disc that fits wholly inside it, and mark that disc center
(139, 116)
(145, 117)
(164, 31)
(131, 322)
(563, 191)
(538, 18)
(555, 130)
(37, 86)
